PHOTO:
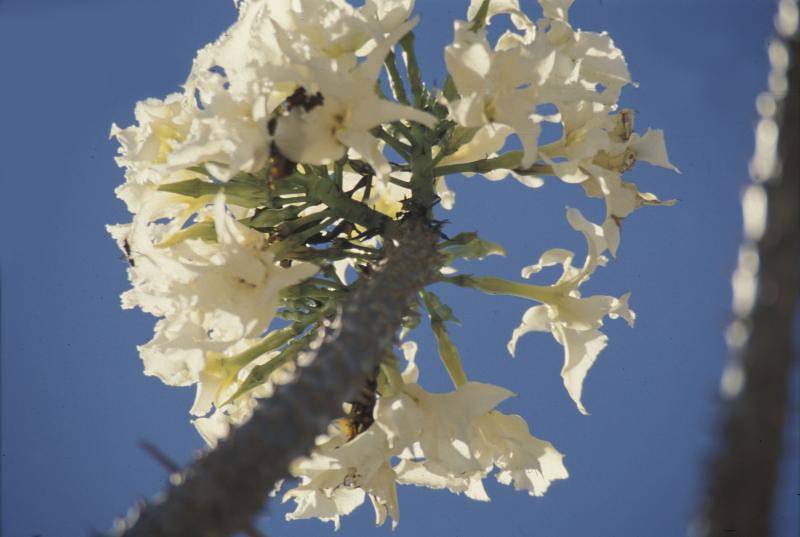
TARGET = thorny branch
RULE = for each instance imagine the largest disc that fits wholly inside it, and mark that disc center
(226, 488)
(743, 475)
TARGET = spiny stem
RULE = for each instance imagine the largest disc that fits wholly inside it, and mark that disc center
(226, 488)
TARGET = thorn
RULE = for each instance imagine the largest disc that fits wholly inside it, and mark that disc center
(160, 457)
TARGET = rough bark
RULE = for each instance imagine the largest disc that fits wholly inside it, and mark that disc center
(226, 488)
(744, 472)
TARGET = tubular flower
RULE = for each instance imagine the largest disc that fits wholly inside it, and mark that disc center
(573, 320)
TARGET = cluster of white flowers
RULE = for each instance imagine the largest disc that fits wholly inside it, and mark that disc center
(223, 238)
(448, 440)
(547, 62)
(214, 294)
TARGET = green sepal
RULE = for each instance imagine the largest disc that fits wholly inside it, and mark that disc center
(461, 135)
(469, 246)
(269, 218)
(194, 188)
(199, 169)
(448, 352)
(412, 69)
(201, 230)
(261, 373)
(454, 137)
(232, 365)
(243, 190)
(390, 380)
(438, 310)
(303, 290)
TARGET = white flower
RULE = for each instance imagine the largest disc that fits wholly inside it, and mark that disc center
(247, 55)
(413, 472)
(499, 86)
(595, 148)
(446, 423)
(228, 136)
(162, 124)
(349, 110)
(573, 321)
(487, 141)
(220, 379)
(449, 440)
(221, 374)
(587, 65)
(211, 295)
(621, 199)
(529, 463)
(387, 15)
(312, 31)
(556, 9)
(340, 473)
(462, 437)
(586, 133)
(440, 455)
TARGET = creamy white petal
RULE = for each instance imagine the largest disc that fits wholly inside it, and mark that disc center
(581, 348)
(535, 319)
(652, 148)
(529, 463)
(554, 256)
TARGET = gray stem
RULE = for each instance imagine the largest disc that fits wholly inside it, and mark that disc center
(743, 474)
(226, 488)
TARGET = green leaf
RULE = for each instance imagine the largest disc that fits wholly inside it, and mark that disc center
(469, 246)
(193, 188)
(199, 169)
(448, 352)
(412, 69)
(438, 310)
(449, 355)
(390, 380)
(244, 190)
(200, 230)
(247, 191)
(454, 137)
(304, 290)
(267, 218)
(261, 373)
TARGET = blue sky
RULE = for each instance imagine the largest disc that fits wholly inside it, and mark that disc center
(75, 402)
